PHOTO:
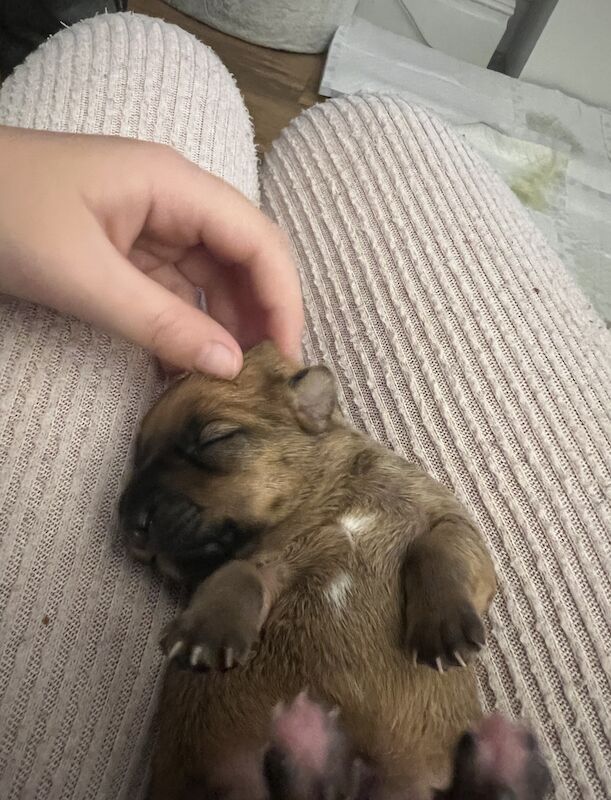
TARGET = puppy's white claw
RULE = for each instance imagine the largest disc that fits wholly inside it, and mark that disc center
(439, 665)
(415, 658)
(175, 650)
(196, 655)
(460, 659)
(228, 658)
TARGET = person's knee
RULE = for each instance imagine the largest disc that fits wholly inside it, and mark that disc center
(368, 115)
(128, 52)
(138, 77)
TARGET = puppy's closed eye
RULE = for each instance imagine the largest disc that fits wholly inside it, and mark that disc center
(214, 447)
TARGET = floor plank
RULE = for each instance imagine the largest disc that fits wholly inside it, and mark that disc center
(276, 85)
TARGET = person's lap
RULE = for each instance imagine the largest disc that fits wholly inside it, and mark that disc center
(79, 661)
(457, 339)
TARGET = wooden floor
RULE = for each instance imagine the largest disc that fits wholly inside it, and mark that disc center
(276, 85)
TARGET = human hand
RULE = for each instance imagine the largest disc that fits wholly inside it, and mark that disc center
(121, 233)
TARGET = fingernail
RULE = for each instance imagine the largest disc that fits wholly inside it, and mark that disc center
(216, 359)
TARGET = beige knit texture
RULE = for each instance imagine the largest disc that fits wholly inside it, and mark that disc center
(457, 338)
(80, 622)
(135, 76)
(460, 341)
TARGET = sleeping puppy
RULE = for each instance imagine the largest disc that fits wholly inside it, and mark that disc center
(317, 559)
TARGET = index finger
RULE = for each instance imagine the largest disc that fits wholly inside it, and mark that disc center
(190, 206)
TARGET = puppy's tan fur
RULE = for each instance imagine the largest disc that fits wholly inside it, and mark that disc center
(363, 564)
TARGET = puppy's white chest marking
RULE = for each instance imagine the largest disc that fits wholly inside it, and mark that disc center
(338, 592)
(356, 525)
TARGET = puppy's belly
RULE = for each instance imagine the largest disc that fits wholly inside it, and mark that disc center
(338, 637)
(236, 774)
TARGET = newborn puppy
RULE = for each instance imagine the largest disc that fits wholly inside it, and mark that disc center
(339, 565)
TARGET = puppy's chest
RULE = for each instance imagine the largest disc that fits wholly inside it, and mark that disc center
(349, 563)
(370, 538)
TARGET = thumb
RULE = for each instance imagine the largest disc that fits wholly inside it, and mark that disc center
(120, 298)
(187, 339)
(176, 332)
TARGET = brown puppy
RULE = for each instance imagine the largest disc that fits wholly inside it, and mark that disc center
(346, 569)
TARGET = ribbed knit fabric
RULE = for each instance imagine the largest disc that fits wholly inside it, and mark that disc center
(135, 76)
(80, 622)
(459, 340)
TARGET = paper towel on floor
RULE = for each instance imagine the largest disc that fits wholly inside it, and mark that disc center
(553, 150)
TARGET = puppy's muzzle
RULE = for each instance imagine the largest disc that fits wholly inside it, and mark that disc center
(160, 521)
(169, 528)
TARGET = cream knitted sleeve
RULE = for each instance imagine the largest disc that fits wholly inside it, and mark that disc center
(459, 340)
(79, 621)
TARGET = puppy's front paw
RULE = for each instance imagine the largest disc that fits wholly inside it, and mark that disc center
(201, 642)
(442, 628)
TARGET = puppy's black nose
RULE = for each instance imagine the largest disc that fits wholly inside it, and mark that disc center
(140, 526)
(136, 514)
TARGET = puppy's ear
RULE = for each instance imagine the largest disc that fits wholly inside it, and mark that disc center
(313, 398)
